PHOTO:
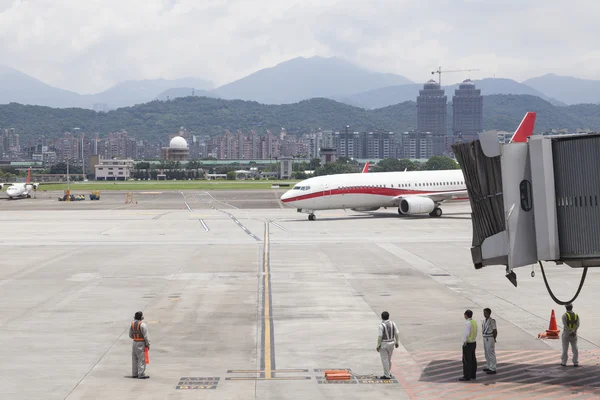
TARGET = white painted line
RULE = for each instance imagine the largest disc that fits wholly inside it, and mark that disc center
(279, 226)
(204, 225)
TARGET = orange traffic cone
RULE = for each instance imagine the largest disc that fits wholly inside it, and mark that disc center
(552, 331)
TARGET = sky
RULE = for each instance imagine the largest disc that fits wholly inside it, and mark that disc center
(89, 45)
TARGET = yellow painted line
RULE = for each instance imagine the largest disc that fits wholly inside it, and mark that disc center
(268, 373)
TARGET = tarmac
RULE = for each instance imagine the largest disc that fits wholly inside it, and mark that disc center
(246, 299)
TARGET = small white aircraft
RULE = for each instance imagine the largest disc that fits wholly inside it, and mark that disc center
(413, 192)
(21, 190)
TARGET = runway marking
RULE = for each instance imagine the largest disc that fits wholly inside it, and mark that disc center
(161, 215)
(204, 225)
(219, 201)
(198, 383)
(234, 219)
(258, 371)
(279, 226)
(268, 344)
(185, 202)
(261, 378)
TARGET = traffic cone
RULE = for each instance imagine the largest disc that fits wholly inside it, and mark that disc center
(552, 331)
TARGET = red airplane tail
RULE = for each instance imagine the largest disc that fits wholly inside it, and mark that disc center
(28, 176)
(366, 168)
(525, 129)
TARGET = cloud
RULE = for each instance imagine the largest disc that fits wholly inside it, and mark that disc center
(90, 45)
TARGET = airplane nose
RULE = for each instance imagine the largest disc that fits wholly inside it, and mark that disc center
(286, 195)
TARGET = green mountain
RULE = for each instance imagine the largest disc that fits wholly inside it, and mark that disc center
(202, 115)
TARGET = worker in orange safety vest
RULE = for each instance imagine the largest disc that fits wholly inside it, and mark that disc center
(138, 331)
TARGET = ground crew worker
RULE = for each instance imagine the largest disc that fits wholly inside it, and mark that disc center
(489, 332)
(570, 322)
(138, 331)
(469, 344)
(387, 338)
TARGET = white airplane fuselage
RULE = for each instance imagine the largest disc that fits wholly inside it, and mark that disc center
(19, 190)
(374, 190)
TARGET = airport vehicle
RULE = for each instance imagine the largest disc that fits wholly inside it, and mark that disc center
(412, 192)
(21, 190)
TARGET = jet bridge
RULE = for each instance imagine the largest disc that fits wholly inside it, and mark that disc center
(534, 201)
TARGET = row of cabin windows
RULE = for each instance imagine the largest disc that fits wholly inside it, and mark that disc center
(404, 185)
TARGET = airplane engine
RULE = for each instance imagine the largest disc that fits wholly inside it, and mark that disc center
(365, 209)
(416, 205)
(36, 185)
(1, 186)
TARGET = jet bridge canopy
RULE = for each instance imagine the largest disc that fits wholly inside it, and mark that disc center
(534, 201)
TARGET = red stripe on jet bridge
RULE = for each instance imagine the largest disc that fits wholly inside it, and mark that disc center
(391, 192)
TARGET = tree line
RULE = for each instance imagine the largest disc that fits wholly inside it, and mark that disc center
(206, 116)
(344, 165)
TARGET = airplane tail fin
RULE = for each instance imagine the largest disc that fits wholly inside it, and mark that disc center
(366, 168)
(525, 128)
(28, 176)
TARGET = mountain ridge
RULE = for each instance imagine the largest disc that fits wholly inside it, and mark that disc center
(208, 116)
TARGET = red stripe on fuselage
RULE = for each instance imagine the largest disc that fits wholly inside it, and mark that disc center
(391, 192)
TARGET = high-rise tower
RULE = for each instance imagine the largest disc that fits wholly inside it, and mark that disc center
(431, 115)
(467, 112)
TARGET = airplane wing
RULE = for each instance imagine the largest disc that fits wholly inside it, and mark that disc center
(439, 196)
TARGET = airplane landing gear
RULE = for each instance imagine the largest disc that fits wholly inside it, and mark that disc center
(311, 217)
(437, 212)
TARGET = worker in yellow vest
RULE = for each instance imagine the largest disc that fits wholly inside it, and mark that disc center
(570, 322)
(138, 331)
(469, 344)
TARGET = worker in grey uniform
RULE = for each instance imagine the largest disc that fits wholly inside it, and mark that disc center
(490, 332)
(570, 322)
(138, 331)
(387, 338)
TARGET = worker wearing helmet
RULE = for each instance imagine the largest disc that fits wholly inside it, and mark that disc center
(138, 331)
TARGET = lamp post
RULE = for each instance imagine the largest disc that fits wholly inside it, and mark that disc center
(68, 185)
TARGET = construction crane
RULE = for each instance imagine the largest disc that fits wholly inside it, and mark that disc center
(439, 72)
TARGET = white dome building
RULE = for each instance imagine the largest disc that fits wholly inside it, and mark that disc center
(177, 151)
(178, 143)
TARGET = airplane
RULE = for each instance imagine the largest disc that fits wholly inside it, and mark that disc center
(413, 192)
(21, 190)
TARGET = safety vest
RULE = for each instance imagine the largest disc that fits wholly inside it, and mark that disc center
(136, 327)
(570, 324)
(388, 331)
(473, 332)
(486, 326)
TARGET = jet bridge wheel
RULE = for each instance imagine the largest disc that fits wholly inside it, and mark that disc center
(311, 217)
(436, 213)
